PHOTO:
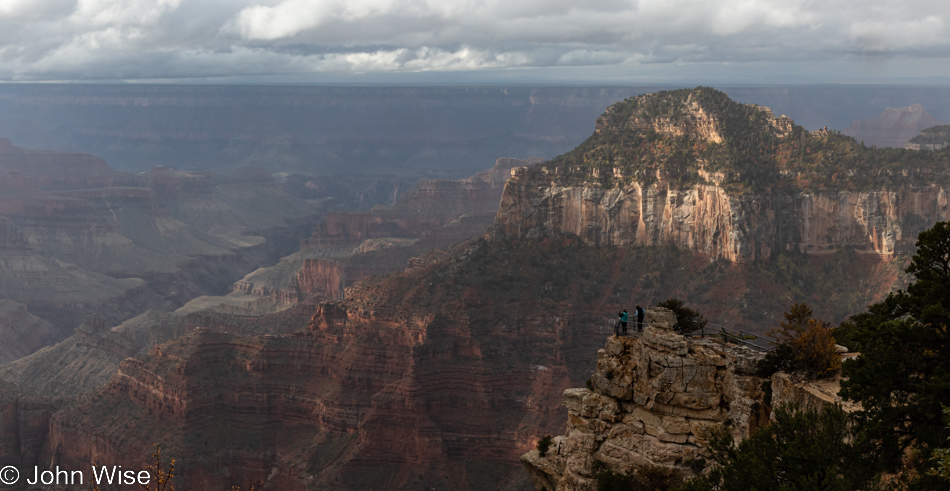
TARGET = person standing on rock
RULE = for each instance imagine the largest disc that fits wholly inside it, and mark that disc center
(639, 312)
(624, 316)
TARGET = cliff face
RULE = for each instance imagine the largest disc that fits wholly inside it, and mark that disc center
(708, 219)
(651, 403)
(693, 169)
(371, 395)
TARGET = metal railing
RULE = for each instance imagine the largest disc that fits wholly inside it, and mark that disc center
(754, 341)
(710, 330)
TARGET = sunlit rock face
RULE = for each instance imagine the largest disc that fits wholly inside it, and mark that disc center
(707, 219)
(694, 169)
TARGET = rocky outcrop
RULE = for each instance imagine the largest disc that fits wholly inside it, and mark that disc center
(710, 220)
(694, 169)
(933, 138)
(895, 127)
(809, 394)
(651, 403)
(314, 277)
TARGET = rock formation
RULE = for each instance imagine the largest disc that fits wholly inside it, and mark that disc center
(678, 169)
(651, 403)
(707, 219)
(933, 138)
(653, 400)
(892, 128)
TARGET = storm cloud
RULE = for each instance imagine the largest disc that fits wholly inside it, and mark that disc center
(221, 39)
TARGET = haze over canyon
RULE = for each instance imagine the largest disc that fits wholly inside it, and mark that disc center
(392, 288)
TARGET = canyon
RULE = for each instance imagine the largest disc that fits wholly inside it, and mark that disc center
(445, 368)
(78, 237)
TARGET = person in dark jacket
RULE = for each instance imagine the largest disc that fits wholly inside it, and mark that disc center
(624, 317)
(639, 312)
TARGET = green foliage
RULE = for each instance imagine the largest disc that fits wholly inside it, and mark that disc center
(815, 350)
(796, 322)
(800, 450)
(941, 458)
(807, 345)
(647, 478)
(780, 359)
(543, 445)
(939, 135)
(902, 378)
(687, 320)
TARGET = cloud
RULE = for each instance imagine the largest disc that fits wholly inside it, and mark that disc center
(195, 39)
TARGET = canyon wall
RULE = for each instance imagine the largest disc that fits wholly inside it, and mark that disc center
(347, 247)
(369, 396)
(708, 219)
(78, 237)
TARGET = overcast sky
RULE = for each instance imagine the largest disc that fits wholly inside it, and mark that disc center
(629, 41)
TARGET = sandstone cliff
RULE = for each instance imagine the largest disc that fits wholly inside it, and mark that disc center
(653, 400)
(651, 403)
(693, 169)
(706, 218)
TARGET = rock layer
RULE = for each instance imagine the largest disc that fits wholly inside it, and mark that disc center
(651, 403)
(707, 219)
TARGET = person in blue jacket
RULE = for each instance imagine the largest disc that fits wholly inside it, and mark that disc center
(624, 317)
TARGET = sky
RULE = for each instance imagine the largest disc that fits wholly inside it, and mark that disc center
(476, 41)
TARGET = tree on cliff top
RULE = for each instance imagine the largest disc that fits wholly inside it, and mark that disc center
(687, 319)
(902, 378)
(806, 345)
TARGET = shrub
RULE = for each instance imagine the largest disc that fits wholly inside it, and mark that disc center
(647, 478)
(543, 445)
(687, 320)
(801, 449)
(815, 350)
(807, 345)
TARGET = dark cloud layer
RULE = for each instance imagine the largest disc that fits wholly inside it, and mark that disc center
(297, 40)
